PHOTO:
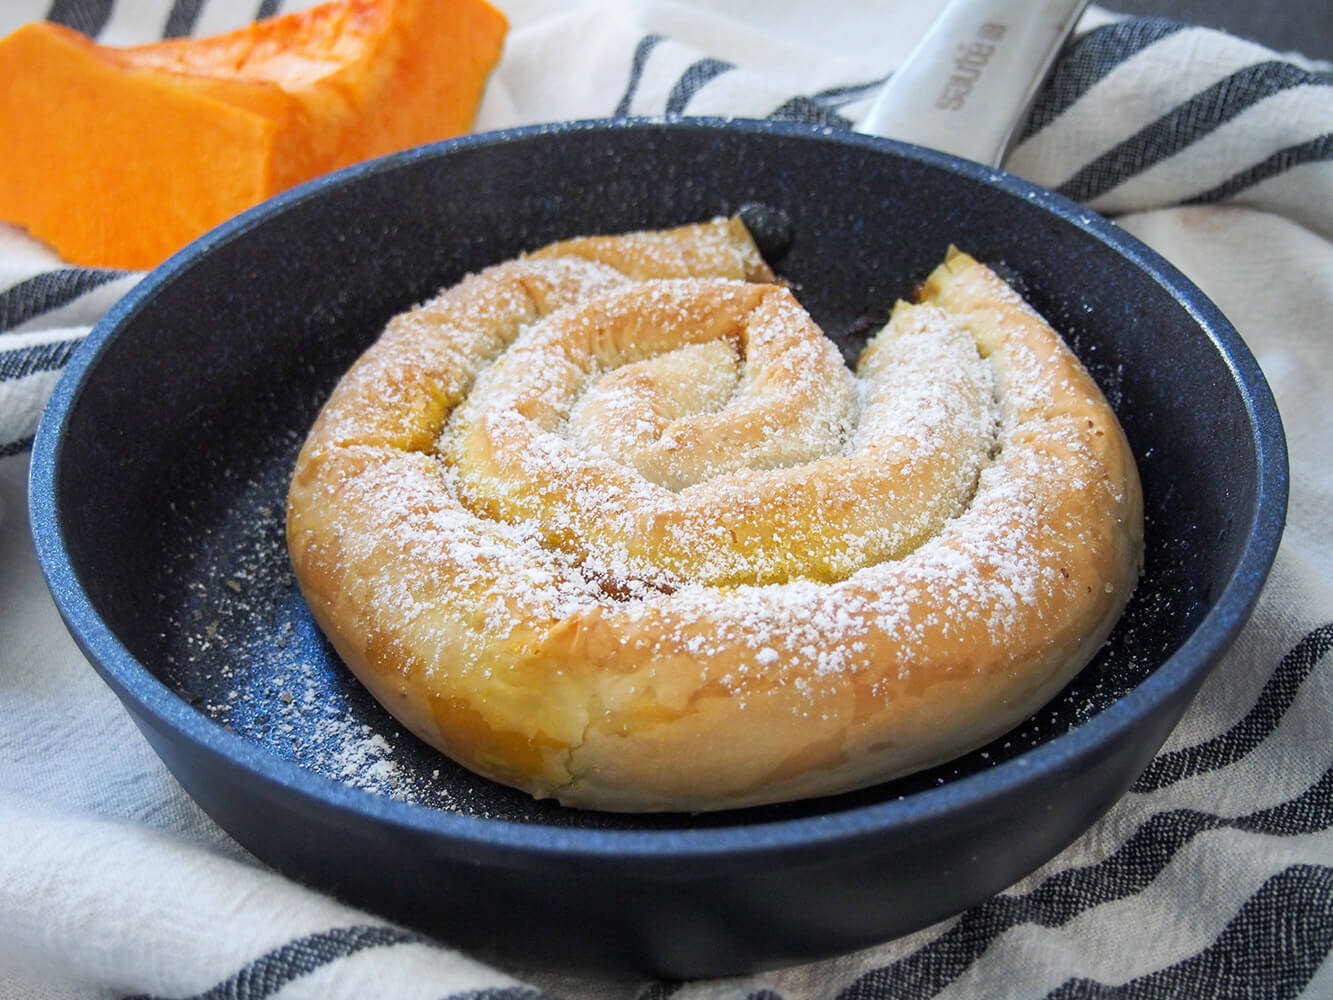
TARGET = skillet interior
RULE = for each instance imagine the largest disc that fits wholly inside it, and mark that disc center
(194, 395)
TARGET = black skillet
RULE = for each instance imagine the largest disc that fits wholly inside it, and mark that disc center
(159, 474)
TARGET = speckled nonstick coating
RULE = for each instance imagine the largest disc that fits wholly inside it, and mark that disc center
(160, 471)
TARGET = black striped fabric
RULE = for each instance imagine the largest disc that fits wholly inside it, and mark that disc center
(39, 358)
(1278, 931)
(1263, 718)
(824, 106)
(1091, 172)
(1069, 894)
(17, 446)
(91, 16)
(181, 20)
(1089, 59)
(1277, 941)
(270, 972)
(30, 299)
(1185, 125)
(692, 81)
(810, 111)
(39, 350)
(641, 53)
(1316, 150)
(22, 362)
(87, 16)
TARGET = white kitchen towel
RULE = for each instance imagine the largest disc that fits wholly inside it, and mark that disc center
(1213, 877)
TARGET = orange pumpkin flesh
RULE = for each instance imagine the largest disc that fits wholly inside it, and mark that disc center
(117, 157)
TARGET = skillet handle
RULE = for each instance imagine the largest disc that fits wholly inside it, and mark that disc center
(969, 84)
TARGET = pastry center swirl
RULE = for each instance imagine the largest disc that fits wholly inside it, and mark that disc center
(706, 431)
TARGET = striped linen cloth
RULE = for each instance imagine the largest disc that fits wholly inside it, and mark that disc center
(1212, 878)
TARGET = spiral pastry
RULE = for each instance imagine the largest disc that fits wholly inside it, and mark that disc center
(614, 523)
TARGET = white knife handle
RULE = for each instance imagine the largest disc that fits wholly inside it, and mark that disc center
(968, 85)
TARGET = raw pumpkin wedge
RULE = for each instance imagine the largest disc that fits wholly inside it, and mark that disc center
(117, 157)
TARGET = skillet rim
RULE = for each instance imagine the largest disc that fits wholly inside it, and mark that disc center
(909, 817)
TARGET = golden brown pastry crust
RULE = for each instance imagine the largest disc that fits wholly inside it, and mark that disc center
(612, 523)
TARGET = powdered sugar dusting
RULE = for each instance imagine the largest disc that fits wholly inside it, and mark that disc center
(686, 464)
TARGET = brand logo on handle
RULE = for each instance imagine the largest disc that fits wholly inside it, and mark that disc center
(972, 59)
